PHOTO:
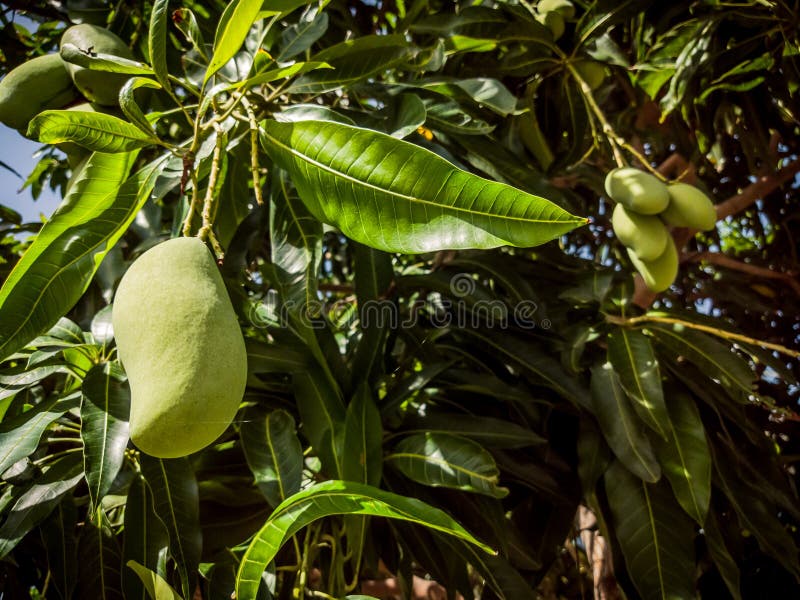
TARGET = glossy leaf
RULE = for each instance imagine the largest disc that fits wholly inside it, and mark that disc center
(620, 426)
(55, 271)
(362, 455)
(100, 560)
(20, 435)
(176, 500)
(299, 37)
(685, 458)
(145, 538)
(94, 131)
(635, 362)
(332, 498)
(725, 563)
(157, 41)
(156, 586)
(322, 414)
(656, 537)
(104, 426)
(444, 460)
(97, 61)
(398, 197)
(488, 431)
(127, 102)
(37, 501)
(232, 31)
(273, 452)
(58, 535)
(483, 91)
(263, 357)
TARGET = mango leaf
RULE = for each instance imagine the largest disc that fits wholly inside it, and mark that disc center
(146, 538)
(398, 197)
(273, 452)
(104, 426)
(156, 586)
(157, 41)
(20, 435)
(726, 565)
(177, 504)
(482, 91)
(58, 535)
(712, 357)
(232, 31)
(36, 502)
(443, 460)
(55, 271)
(299, 37)
(353, 61)
(322, 414)
(362, 456)
(99, 560)
(263, 357)
(488, 431)
(127, 102)
(97, 61)
(621, 428)
(685, 458)
(655, 535)
(332, 498)
(635, 362)
(94, 131)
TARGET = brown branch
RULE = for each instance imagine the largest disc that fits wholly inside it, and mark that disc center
(722, 260)
(52, 11)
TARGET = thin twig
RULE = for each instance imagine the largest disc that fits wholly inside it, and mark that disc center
(254, 167)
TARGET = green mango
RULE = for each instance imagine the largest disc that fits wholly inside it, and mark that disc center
(689, 207)
(646, 235)
(592, 72)
(638, 191)
(563, 7)
(180, 343)
(42, 83)
(658, 274)
(97, 86)
(554, 22)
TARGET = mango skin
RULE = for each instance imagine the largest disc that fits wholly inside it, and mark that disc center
(42, 83)
(646, 235)
(592, 72)
(658, 274)
(638, 191)
(97, 86)
(689, 207)
(180, 343)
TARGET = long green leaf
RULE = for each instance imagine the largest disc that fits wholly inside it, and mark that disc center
(322, 414)
(398, 197)
(439, 459)
(685, 458)
(97, 61)
(55, 270)
(19, 437)
(332, 498)
(36, 502)
(273, 452)
(362, 456)
(104, 426)
(726, 565)
(146, 538)
(176, 499)
(58, 535)
(156, 586)
(488, 431)
(635, 362)
(655, 535)
(239, 16)
(298, 38)
(620, 426)
(157, 41)
(100, 560)
(94, 131)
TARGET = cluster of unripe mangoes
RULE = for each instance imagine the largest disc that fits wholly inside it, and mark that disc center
(645, 208)
(49, 82)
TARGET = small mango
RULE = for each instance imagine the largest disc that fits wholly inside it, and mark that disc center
(42, 83)
(638, 191)
(592, 72)
(180, 343)
(646, 235)
(563, 7)
(658, 274)
(97, 86)
(689, 207)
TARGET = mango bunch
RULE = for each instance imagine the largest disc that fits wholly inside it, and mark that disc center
(49, 82)
(645, 208)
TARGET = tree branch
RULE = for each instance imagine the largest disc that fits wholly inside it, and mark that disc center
(722, 260)
(52, 11)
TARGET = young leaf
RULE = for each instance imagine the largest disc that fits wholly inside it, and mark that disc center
(655, 535)
(94, 131)
(398, 197)
(232, 31)
(177, 504)
(156, 586)
(332, 498)
(146, 538)
(622, 430)
(634, 361)
(444, 460)
(55, 271)
(273, 452)
(104, 426)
